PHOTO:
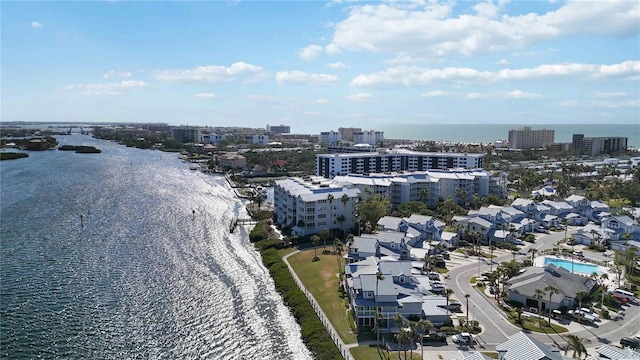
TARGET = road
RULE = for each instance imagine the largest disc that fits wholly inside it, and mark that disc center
(496, 328)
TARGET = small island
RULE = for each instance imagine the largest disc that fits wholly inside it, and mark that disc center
(12, 155)
(80, 149)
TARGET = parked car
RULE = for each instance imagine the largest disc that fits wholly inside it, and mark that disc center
(464, 338)
(631, 342)
(434, 335)
(454, 305)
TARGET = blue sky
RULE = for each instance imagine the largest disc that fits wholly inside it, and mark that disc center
(321, 65)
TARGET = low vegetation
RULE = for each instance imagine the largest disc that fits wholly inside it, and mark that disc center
(314, 334)
(79, 149)
(12, 155)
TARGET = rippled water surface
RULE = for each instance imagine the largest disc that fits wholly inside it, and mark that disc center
(140, 276)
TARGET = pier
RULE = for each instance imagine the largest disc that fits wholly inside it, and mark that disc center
(240, 221)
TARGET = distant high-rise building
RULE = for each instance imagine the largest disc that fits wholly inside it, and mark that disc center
(598, 145)
(347, 133)
(526, 138)
(370, 137)
(186, 134)
(279, 129)
(330, 137)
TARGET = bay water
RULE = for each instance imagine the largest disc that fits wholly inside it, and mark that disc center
(150, 270)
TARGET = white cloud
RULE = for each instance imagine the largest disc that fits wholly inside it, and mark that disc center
(502, 62)
(360, 97)
(117, 74)
(476, 95)
(435, 93)
(108, 88)
(204, 96)
(310, 53)
(300, 77)
(35, 24)
(417, 76)
(569, 103)
(210, 73)
(610, 94)
(615, 104)
(338, 66)
(322, 101)
(519, 94)
(399, 27)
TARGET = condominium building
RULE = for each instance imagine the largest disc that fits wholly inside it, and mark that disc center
(598, 145)
(428, 186)
(370, 137)
(347, 133)
(526, 138)
(278, 129)
(257, 139)
(186, 134)
(330, 165)
(311, 204)
(330, 137)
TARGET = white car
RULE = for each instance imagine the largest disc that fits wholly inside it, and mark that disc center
(464, 338)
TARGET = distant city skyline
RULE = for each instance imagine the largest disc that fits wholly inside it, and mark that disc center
(318, 66)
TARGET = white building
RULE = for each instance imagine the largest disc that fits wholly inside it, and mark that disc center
(330, 165)
(370, 137)
(330, 137)
(214, 138)
(311, 204)
(428, 187)
(258, 139)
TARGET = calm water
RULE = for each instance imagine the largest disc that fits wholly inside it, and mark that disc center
(490, 133)
(140, 277)
(578, 267)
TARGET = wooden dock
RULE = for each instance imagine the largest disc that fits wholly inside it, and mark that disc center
(240, 221)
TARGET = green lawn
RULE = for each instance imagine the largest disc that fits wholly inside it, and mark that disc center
(372, 353)
(321, 279)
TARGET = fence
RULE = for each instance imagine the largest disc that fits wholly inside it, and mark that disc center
(342, 347)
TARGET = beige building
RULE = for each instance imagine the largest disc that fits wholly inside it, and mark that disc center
(232, 161)
(526, 138)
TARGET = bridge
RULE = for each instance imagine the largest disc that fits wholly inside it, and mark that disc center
(81, 130)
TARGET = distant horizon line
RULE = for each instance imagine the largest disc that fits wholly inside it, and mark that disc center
(380, 124)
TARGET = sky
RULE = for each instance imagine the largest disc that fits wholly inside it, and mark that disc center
(317, 66)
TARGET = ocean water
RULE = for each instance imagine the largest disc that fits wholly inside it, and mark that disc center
(477, 133)
(139, 276)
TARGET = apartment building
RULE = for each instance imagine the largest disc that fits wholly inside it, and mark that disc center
(347, 133)
(330, 137)
(330, 165)
(257, 139)
(278, 129)
(370, 137)
(526, 138)
(594, 146)
(186, 134)
(311, 204)
(428, 187)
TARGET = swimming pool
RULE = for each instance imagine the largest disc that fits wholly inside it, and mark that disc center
(578, 267)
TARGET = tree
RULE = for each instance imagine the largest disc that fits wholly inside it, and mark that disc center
(325, 234)
(379, 277)
(448, 292)
(259, 199)
(577, 344)
(315, 239)
(338, 246)
(581, 294)
(344, 199)
(411, 207)
(551, 290)
(423, 195)
(533, 252)
(538, 295)
(400, 336)
(330, 201)
(424, 326)
(371, 209)
(466, 296)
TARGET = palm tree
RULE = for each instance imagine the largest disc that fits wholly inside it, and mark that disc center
(315, 239)
(551, 290)
(533, 252)
(344, 200)
(330, 201)
(400, 336)
(577, 344)
(424, 326)
(324, 235)
(466, 296)
(538, 295)
(448, 292)
(338, 246)
(580, 294)
(378, 278)
(491, 248)
(424, 194)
